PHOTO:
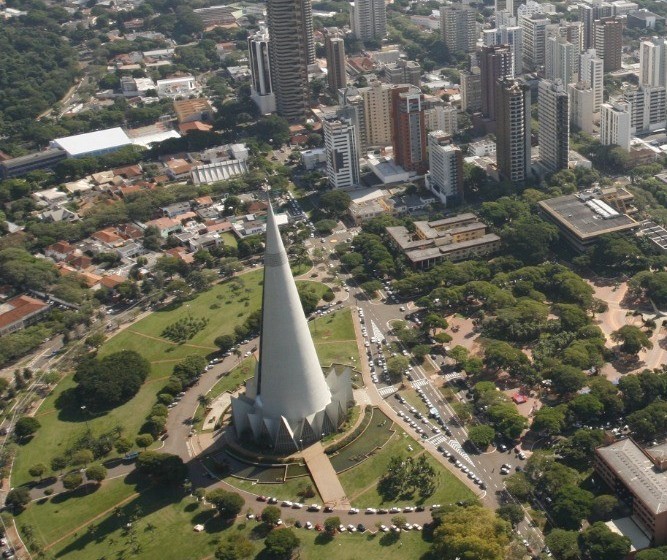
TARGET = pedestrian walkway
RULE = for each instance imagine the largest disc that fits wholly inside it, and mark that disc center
(419, 383)
(453, 376)
(325, 477)
(386, 391)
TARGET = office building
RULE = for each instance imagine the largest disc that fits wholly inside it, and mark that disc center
(615, 125)
(368, 19)
(582, 107)
(504, 6)
(290, 25)
(445, 176)
(559, 60)
(289, 403)
(513, 125)
(261, 88)
(342, 147)
(46, 159)
(653, 62)
(512, 36)
(408, 129)
(648, 108)
(334, 47)
(608, 37)
(636, 475)
(458, 28)
(441, 117)
(554, 132)
(495, 63)
(534, 40)
(591, 72)
(450, 239)
(404, 72)
(588, 13)
(471, 90)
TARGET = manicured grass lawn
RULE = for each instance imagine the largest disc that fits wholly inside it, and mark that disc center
(60, 514)
(229, 239)
(166, 525)
(360, 483)
(410, 395)
(285, 491)
(334, 339)
(234, 378)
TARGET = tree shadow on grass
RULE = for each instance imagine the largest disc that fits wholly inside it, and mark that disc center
(82, 491)
(389, 539)
(259, 531)
(191, 507)
(69, 408)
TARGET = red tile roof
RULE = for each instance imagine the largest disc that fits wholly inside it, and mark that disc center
(19, 308)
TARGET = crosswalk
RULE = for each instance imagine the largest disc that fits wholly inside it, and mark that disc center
(455, 445)
(386, 391)
(453, 376)
(419, 383)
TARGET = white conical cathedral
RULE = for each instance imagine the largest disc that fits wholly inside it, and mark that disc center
(289, 403)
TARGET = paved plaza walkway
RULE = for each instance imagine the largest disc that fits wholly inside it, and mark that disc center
(325, 476)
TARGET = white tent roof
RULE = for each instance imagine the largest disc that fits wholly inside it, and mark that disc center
(90, 142)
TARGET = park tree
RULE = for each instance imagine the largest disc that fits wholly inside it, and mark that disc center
(228, 504)
(481, 436)
(82, 457)
(586, 408)
(512, 513)
(564, 544)
(396, 368)
(162, 467)
(144, 440)
(17, 498)
(577, 451)
(459, 354)
(26, 427)
(598, 542)
(235, 547)
(270, 515)
(96, 473)
(58, 463)
(633, 340)
(549, 420)
(519, 486)
(280, 544)
(122, 445)
(224, 342)
(37, 470)
(566, 379)
(570, 506)
(659, 553)
(507, 420)
(604, 507)
(634, 397)
(72, 481)
(335, 203)
(331, 525)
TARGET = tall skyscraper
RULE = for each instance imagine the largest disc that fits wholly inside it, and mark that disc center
(608, 35)
(615, 125)
(378, 111)
(582, 104)
(290, 50)
(554, 132)
(512, 36)
(591, 72)
(445, 176)
(458, 28)
(504, 6)
(653, 62)
(289, 403)
(352, 107)
(341, 144)
(334, 47)
(495, 63)
(471, 90)
(368, 19)
(648, 106)
(261, 87)
(559, 60)
(534, 40)
(513, 127)
(408, 132)
(588, 13)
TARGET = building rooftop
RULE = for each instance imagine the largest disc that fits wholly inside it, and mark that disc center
(633, 466)
(586, 216)
(100, 140)
(19, 308)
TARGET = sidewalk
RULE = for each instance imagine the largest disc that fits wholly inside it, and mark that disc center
(325, 477)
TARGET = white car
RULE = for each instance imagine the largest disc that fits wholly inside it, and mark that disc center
(353, 511)
(308, 525)
(384, 528)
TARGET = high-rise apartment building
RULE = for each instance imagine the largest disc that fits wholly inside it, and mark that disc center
(261, 87)
(341, 144)
(648, 106)
(582, 104)
(559, 60)
(445, 176)
(408, 129)
(471, 90)
(653, 62)
(377, 111)
(441, 117)
(368, 19)
(608, 37)
(290, 25)
(458, 28)
(404, 72)
(588, 13)
(615, 125)
(352, 107)
(554, 132)
(534, 40)
(512, 36)
(504, 6)
(334, 47)
(513, 125)
(591, 72)
(495, 63)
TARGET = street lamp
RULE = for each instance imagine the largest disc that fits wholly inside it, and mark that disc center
(83, 410)
(301, 444)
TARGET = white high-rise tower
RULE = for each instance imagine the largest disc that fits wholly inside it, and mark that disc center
(261, 88)
(289, 403)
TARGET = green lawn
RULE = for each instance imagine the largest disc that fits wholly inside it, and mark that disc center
(166, 525)
(229, 239)
(234, 378)
(360, 483)
(285, 491)
(334, 339)
(410, 395)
